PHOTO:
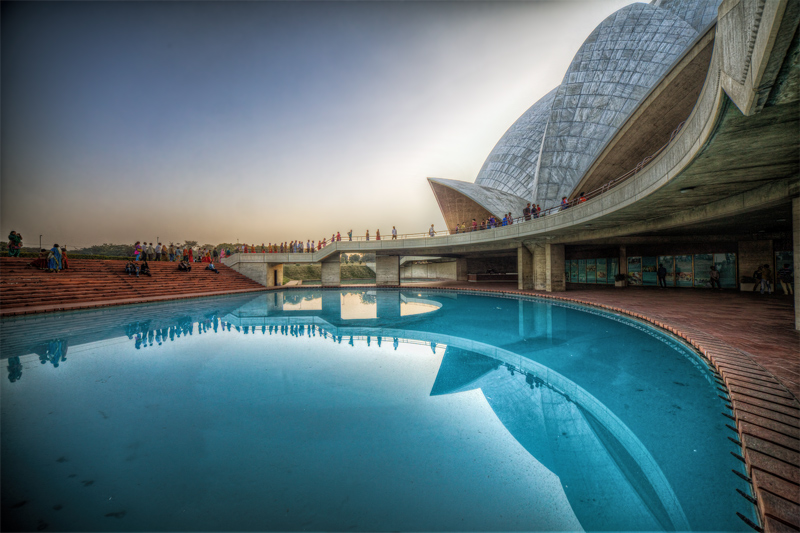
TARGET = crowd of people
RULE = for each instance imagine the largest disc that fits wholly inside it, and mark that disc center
(292, 247)
(529, 212)
(53, 260)
(143, 251)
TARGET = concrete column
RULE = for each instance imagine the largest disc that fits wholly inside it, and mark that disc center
(524, 269)
(623, 260)
(555, 268)
(331, 274)
(462, 274)
(539, 267)
(387, 271)
(388, 304)
(274, 274)
(796, 257)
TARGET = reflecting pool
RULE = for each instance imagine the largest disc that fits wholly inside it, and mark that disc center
(361, 410)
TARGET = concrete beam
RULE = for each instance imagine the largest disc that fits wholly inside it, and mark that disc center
(387, 271)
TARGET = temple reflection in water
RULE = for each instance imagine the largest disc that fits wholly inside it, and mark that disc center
(517, 352)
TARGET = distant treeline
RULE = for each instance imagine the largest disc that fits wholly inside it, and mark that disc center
(314, 271)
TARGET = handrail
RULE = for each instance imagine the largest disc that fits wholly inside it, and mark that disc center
(516, 220)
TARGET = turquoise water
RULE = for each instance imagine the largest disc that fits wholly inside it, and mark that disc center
(348, 410)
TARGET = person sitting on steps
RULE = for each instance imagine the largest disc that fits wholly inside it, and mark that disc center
(145, 269)
(184, 266)
(212, 268)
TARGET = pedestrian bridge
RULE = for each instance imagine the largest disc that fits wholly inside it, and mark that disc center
(729, 172)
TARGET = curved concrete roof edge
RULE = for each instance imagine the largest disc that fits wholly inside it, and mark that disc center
(666, 167)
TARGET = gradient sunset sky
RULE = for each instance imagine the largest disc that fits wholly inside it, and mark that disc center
(261, 121)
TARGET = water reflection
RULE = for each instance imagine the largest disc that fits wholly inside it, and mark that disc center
(567, 388)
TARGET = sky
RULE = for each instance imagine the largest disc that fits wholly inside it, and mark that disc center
(261, 121)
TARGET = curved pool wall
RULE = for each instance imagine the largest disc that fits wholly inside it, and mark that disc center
(627, 418)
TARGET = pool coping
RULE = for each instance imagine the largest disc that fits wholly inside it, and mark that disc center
(766, 415)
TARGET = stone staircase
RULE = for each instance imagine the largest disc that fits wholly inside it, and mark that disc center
(95, 283)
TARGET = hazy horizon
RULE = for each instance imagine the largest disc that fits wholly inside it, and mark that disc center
(261, 121)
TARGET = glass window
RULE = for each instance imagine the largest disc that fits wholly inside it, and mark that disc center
(591, 271)
(582, 270)
(726, 264)
(634, 270)
(602, 271)
(684, 271)
(669, 264)
(702, 270)
(649, 271)
(573, 271)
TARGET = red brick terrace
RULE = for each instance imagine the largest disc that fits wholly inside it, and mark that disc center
(96, 283)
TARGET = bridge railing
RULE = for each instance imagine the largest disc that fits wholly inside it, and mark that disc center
(520, 219)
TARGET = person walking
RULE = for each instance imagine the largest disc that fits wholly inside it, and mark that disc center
(766, 279)
(786, 278)
(526, 212)
(350, 235)
(757, 275)
(432, 232)
(662, 276)
(394, 233)
(159, 248)
(714, 277)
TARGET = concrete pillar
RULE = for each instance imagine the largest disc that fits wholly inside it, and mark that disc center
(388, 304)
(331, 274)
(274, 274)
(387, 271)
(623, 260)
(796, 257)
(332, 306)
(524, 269)
(753, 254)
(539, 266)
(555, 268)
(462, 274)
